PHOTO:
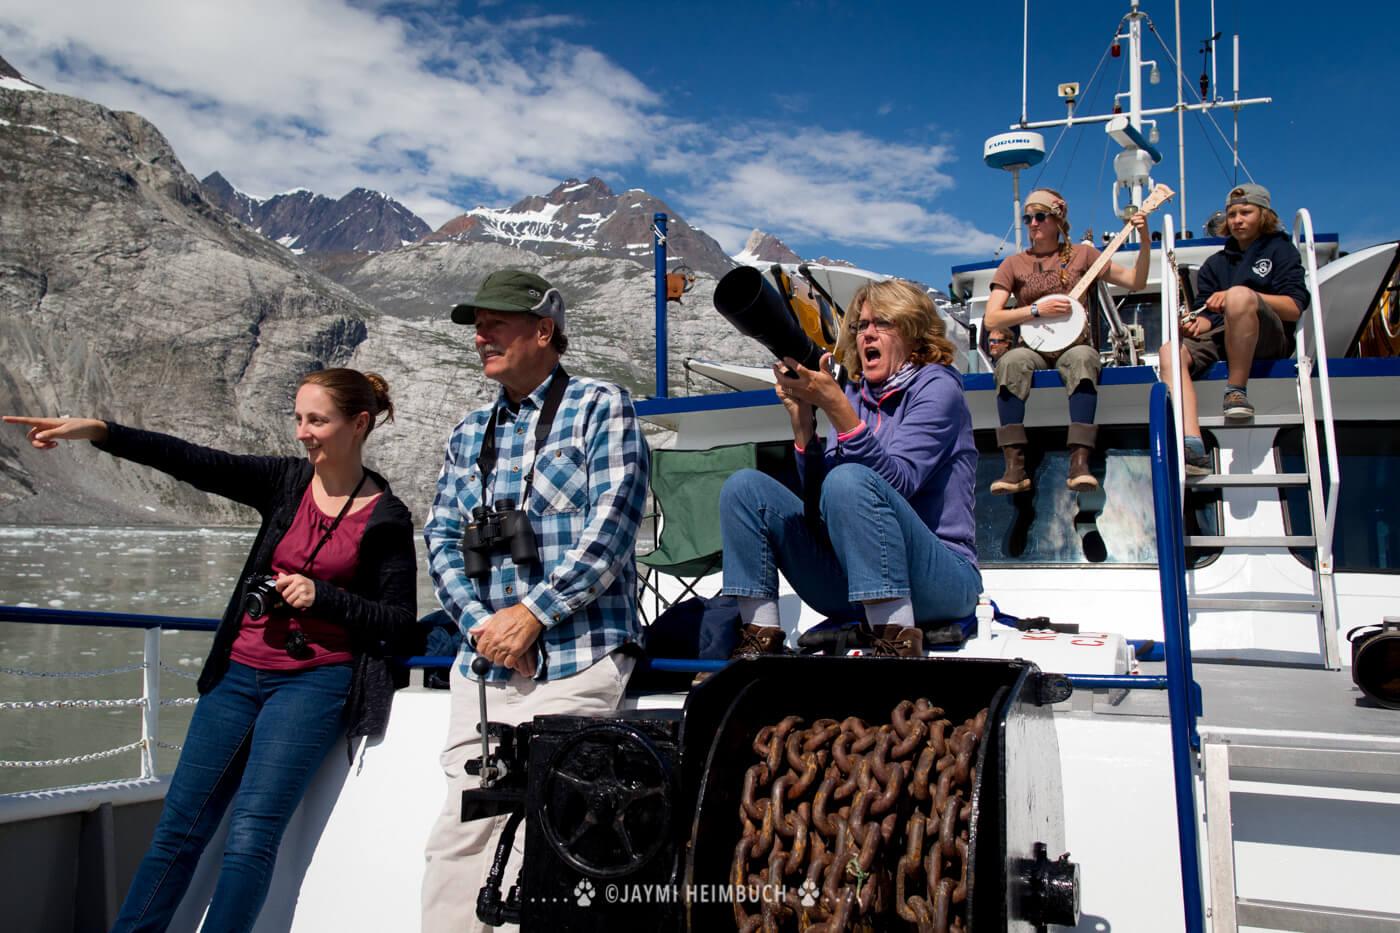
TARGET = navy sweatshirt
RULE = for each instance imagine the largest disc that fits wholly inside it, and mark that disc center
(1270, 265)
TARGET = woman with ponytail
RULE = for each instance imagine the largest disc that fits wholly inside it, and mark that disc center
(302, 654)
(1050, 266)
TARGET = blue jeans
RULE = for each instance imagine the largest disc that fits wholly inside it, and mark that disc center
(255, 740)
(875, 547)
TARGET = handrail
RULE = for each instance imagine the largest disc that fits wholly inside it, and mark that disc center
(1183, 698)
(1328, 508)
(1170, 282)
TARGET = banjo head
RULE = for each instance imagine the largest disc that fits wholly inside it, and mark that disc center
(1058, 335)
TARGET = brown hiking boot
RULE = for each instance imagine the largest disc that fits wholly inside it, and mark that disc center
(898, 641)
(754, 640)
(1012, 439)
(758, 639)
(1082, 438)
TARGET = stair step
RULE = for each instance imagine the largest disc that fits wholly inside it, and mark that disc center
(1251, 541)
(1249, 479)
(1249, 602)
(1258, 421)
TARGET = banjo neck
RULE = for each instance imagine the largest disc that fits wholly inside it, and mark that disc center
(1159, 195)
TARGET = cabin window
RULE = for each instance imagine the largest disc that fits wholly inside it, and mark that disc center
(1051, 525)
(1143, 309)
(1367, 536)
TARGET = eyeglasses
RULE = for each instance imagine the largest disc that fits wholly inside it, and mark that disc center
(1039, 217)
(881, 326)
(997, 340)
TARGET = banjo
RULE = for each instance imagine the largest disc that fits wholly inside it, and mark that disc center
(1060, 334)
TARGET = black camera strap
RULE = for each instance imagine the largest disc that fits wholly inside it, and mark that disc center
(486, 459)
(326, 536)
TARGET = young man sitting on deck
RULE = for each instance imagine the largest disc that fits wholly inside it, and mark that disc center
(1251, 295)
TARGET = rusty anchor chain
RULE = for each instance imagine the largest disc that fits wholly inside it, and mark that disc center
(851, 821)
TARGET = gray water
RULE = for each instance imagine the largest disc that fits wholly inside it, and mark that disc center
(155, 571)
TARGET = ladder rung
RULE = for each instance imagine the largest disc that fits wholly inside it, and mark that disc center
(1247, 602)
(1258, 421)
(1249, 479)
(1251, 541)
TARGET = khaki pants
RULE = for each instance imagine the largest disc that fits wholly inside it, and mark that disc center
(1017, 366)
(459, 854)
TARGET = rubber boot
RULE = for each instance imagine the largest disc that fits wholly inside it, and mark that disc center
(1012, 440)
(1081, 443)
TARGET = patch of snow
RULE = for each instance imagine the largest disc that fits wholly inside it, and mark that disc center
(287, 240)
(747, 258)
(574, 188)
(18, 84)
(40, 129)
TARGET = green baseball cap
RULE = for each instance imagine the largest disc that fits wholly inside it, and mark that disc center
(514, 291)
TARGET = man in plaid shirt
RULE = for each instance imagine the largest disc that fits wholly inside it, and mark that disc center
(557, 630)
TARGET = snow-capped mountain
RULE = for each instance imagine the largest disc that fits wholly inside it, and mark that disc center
(12, 80)
(763, 249)
(362, 221)
(587, 218)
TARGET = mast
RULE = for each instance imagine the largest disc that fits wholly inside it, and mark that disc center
(1181, 116)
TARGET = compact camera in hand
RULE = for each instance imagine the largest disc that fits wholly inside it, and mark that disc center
(504, 528)
(260, 596)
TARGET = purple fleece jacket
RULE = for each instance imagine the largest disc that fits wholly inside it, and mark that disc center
(920, 442)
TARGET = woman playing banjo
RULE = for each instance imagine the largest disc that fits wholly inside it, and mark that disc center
(1039, 278)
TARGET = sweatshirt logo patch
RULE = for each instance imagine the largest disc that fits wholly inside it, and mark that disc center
(1263, 267)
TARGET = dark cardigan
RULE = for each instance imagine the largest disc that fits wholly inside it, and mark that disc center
(380, 606)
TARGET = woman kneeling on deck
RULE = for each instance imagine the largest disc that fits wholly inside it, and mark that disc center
(896, 477)
(302, 651)
(1038, 277)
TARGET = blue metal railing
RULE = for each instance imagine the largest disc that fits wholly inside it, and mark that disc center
(1183, 696)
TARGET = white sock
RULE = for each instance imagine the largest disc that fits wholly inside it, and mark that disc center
(759, 610)
(890, 612)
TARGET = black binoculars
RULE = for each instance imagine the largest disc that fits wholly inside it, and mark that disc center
(504, 528)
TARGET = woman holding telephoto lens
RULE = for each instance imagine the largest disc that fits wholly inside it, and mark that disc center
(303, 650)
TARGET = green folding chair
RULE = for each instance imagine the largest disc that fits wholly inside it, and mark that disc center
(685, 487)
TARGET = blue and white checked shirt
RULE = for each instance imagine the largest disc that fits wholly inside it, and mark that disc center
(589, 492)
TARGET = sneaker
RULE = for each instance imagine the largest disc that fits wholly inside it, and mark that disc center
(1199, 464)
(1237, 406)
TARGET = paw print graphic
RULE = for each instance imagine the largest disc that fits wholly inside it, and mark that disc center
(809, 892)
(584, 892)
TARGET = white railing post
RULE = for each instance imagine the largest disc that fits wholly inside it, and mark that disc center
(1322, 508)
(1171, 331)
(150, 694)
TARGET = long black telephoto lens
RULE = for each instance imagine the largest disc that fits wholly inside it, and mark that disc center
(752, 304)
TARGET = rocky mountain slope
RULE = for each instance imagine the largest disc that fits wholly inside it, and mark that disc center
(763, 249)
(582, 218)
(126, 293)
(305, 222)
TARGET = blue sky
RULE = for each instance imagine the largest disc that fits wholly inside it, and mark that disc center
(851, 130)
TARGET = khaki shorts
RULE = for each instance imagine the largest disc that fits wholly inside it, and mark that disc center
(1275, 342)
(1017, 367)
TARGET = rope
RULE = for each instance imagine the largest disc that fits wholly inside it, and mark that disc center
(173, 748)
(180, 701)
(75, 760)
(72, 675)
(177, 672)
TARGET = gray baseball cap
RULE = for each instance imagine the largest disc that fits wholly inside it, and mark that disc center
(514, 291)
(1257, 195)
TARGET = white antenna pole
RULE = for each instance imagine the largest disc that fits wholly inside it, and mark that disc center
(1214, 88)
(1025, 54)
(1181, 115)
(1135, 81)
(1016, 205)
(1237, 109)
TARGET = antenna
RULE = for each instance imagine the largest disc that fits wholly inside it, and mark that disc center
(1013, 152)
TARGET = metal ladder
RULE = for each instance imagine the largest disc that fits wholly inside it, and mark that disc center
(1322, 505)
(1283, 758)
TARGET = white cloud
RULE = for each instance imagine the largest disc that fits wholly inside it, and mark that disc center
(442, 110)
